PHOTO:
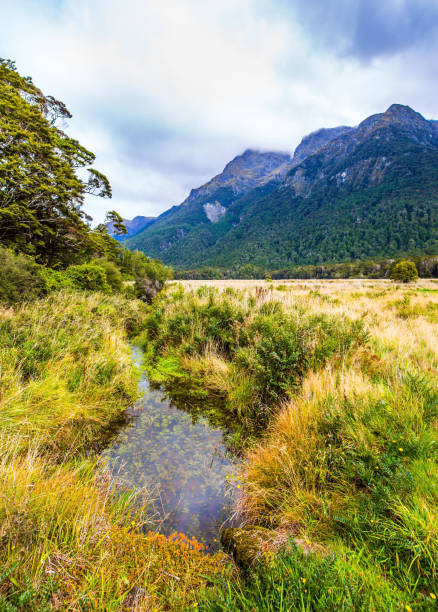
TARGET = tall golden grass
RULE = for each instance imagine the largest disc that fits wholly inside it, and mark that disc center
(70, 537)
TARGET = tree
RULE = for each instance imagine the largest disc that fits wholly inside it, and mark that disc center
(117, 221)
(40, 192)
(404, 271)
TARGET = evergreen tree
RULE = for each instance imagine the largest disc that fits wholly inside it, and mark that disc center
(41, 194)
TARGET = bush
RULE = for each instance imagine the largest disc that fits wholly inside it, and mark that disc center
(265, 350)
(20, 278)
(404, 271)
(89, 277)
(54, 280)
(113, 275)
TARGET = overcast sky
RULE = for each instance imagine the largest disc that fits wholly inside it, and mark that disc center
(166, 92)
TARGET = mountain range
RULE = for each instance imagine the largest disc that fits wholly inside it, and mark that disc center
(133, 226)
(346, 193)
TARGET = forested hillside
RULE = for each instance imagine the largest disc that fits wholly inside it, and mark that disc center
(348, 193)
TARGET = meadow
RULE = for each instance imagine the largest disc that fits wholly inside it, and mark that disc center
(328, 395)
(70, 537)
(341, 483)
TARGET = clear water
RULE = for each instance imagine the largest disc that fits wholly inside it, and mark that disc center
(180, 457)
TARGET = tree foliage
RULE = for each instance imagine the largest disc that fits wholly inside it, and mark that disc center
(404, 271)
(41, 194)
(19, 278)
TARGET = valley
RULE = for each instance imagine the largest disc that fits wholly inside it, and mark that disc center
(231, 406)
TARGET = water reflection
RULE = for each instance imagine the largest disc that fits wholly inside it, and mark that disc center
(179, 456)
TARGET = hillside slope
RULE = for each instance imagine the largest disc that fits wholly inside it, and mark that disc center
(348, 193)
(134, 226)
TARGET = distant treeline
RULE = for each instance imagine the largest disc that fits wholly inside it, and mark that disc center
(427, 267)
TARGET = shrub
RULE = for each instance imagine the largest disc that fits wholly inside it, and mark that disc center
(404, 271)
(147, 288)
(150, 276)
(113, 275)
(55, 280)
(90, 277)
(261, 344)
(20, 278)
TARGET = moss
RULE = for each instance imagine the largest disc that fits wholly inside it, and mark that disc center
(246, 544)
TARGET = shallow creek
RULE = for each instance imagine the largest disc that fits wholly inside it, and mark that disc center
(180, 458)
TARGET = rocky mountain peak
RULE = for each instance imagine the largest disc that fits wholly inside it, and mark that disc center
(251, 169)
(255, 163)
(403, 112)
(311, 143)
(396, 115)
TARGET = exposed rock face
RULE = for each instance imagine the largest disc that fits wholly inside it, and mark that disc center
(243, 173)
(214, 211)
(316, 140)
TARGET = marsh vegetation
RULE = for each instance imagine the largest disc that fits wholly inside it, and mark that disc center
(344, 473)
(325, 392)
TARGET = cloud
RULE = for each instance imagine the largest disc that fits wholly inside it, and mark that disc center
(166, 93)
(367, 29)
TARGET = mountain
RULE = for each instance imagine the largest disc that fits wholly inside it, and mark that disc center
(206, 205)
(347, 193)
(134, 226)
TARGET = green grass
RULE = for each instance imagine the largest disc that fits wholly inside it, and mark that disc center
(70, 537)
(243, 347)
(291, 581)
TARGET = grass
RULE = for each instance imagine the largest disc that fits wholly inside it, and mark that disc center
(347, 468)
(329, 391)
(290, 580)
(244, 347)
(70, 537)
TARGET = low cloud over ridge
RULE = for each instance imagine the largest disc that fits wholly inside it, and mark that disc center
(166, 93)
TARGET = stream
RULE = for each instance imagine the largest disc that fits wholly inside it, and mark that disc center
(177, 456)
